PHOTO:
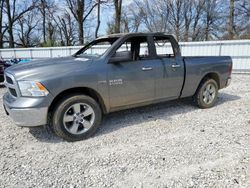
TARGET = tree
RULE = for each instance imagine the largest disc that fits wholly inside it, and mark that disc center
(198, 12)
(81, 11)
(153, 14)
(176, 16)
(135, 18)
(27, 25)
(211, 17)
(46, 8)
(245, 7)
(98, 18)
(3, 27)
(242, 21)
(231, 28)
(188, 17)
(130, 20)
(118, 13)
(14, 12)
(66, 26)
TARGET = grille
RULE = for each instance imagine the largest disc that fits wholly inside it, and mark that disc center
(11, 84)
(9, 80)
(13, 92)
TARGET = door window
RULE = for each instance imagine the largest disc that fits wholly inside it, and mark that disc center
(144, 51)
(125, 47)
(137, 47)
(163, 47)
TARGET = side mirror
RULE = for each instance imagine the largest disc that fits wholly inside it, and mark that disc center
(119, 57)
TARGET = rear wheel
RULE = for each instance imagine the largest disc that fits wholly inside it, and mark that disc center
(206, 94)
(76, 117)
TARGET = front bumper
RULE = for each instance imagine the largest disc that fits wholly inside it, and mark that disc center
(29, 117)
(25, 116)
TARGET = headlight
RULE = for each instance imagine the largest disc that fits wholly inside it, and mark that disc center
(33, 89)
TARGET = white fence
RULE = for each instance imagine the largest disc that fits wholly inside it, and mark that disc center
(239, 50)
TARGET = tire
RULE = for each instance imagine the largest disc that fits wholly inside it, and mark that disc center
(206, 94)
(76, 117)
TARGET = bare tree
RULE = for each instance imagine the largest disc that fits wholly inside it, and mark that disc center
(187, 20)
(231, 27)
(14, 12)
(42, 8)
(245, 7)
(135, 18)
(66, 26)
(154, 14)
(51, 30)
(188, 17)
(130, 19)
(118, 13)
(46, 8)
(98, 18)
(242, 19)
(27, 25)
(211, 17)
(81, 10)
(176, 16)
(3, 27)
(198, 11)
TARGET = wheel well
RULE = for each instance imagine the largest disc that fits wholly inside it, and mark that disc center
(82, 90)
(213, 76)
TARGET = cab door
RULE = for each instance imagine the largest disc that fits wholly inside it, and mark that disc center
(132, 80)
(169, 85)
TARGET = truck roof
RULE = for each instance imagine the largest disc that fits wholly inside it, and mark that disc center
(118, 35)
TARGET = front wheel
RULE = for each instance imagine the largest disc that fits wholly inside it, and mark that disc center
(76, 117)
(206, 94)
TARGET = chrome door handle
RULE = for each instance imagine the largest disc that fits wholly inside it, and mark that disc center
(147, 68)
(176, 66)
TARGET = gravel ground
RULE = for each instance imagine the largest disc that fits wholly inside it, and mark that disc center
(173, 144)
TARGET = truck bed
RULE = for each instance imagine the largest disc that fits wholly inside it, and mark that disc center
(197, 67)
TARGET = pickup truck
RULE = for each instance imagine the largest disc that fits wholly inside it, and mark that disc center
(120, 71)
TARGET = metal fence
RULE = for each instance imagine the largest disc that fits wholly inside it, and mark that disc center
(239, 50)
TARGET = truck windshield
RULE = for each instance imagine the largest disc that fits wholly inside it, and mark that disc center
(96, 48)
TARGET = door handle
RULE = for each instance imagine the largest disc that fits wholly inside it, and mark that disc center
(176, 66)
(147, 68)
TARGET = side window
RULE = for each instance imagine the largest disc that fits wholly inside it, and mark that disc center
(163, 47)
(125, 47)
(135, 47)
(144, 51)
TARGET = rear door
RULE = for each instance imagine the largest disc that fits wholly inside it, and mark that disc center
(133, 81)
(171, 73)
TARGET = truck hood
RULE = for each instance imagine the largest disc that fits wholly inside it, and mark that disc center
(41, 69)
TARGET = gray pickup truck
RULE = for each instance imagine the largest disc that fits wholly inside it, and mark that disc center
(115, 72)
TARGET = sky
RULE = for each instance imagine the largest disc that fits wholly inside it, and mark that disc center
(107, 15)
